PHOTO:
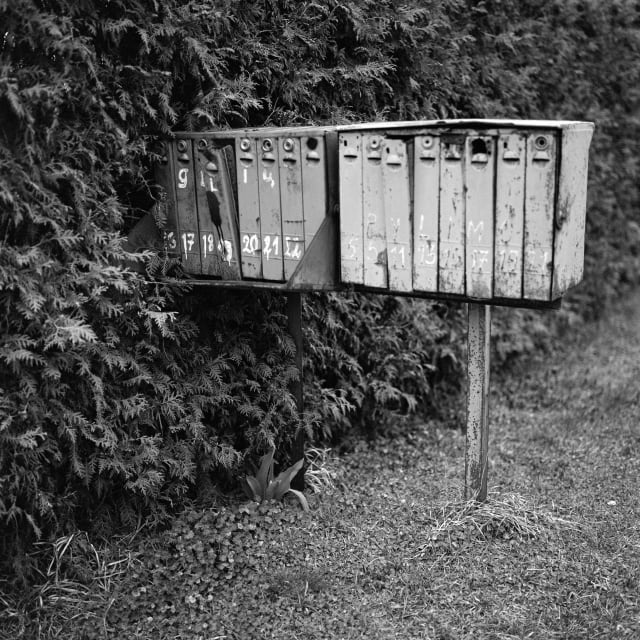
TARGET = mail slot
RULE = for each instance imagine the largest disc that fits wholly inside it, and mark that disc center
(479, 210)
(482, 210)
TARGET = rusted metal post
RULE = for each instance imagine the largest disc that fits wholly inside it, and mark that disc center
(477, 444)
(294, 320)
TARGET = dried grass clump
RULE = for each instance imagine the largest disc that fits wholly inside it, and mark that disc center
(322, 474)
(508, 517)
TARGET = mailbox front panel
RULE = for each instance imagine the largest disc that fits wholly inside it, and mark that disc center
(540, 197)
(314, 184)
(245, 205)
(468, 212)
(291, 204)
(451, 250)
(270, 210)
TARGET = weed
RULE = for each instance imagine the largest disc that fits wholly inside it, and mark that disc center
(263, 486)
(322, 473)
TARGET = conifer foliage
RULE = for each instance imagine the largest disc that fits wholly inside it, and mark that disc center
(120, 390)
(111, 400)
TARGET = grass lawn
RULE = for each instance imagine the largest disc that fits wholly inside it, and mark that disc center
(388, 549)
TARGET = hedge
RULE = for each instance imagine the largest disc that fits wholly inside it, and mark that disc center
(122, 391)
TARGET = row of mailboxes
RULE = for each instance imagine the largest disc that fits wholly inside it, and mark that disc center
(493, 212)
(244, 205)
(478, 210)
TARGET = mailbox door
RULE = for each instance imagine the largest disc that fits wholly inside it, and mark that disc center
(510, 170)
(168, 221)
(426, 203)
(397, 210)
(291, 203)
(479, 207)
(540, 199)
(249, 208)
(351, 227)
(270, 212)
(314, 185)
(375, 232)
(216, 213)
(188, 241)
(451, 259)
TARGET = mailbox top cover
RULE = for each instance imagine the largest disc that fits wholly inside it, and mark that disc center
(471, 123)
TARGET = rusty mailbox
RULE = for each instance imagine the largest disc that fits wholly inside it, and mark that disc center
(244, 206)
(473, 209)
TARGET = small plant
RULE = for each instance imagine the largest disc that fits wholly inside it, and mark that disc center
(322, 474)
(264, 486)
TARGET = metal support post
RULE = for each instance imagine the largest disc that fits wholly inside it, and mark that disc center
(294, 318)
(477, 442)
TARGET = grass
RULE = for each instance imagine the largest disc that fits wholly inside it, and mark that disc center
(507, 517)
(388, 550)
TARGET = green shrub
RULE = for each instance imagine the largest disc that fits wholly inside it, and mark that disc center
(113, 399)
(373, 359)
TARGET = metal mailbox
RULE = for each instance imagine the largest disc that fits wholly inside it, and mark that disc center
(481, 210)
(245, 205)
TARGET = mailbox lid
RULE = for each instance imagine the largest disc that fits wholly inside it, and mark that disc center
(412, 127)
